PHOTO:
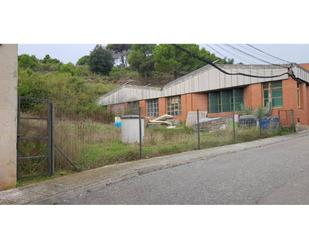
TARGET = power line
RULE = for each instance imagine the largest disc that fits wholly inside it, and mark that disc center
(222, 70)
(260, 50)
(235, 54)
(244, 52)
(216, 51)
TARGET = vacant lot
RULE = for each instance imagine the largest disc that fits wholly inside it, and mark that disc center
(89, 144)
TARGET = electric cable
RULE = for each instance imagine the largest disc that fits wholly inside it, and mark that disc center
(225, 72)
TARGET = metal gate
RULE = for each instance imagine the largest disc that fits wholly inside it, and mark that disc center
(35, 145)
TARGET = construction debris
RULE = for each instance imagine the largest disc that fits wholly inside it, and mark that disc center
(167, 120)
(212, 124)
(192, 117)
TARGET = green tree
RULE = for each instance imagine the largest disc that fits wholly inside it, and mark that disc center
(169, 59)
(121, 50)
(27, 61)
(68, 68)
(101, 60)
(83, 60)
(48, 60)
(141, 59)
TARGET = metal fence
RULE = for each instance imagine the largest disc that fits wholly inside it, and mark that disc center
(89, 141)
(35, 149)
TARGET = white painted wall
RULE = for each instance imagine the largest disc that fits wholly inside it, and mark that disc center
(8, 115)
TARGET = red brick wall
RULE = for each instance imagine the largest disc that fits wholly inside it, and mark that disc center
(142, 105)
(192, 102)
(253, 95)
(199, 101)
(305, 66)
(162, 106)
(289, 90)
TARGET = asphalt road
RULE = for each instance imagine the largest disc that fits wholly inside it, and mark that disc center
(274, 174)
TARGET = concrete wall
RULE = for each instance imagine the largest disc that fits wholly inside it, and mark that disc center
(8, 114)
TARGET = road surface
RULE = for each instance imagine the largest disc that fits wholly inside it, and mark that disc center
(273, 174)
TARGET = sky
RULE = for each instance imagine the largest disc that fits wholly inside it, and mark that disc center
(298, 53)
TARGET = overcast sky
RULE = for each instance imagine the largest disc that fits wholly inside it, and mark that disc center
(298, 53)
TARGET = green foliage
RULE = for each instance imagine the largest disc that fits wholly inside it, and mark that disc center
(170, 59)
(122, 50)
(71, 93)
(27, 61)
(120, 72)
(68, 68)
(141, 59)
(260, 113)
(101, 60)
(48, 60)
(119, 48)
(83, 60)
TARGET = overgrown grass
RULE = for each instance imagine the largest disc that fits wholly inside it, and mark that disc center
(90, 144)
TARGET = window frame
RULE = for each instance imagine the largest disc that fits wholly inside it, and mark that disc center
(234, 96)
(152, 107)
(174, 109)
(270, 88)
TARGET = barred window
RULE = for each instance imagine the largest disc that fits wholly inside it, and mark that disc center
(152, 107)
(174, 105)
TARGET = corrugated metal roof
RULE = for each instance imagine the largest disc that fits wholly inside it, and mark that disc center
(129, 93)
(204, 79)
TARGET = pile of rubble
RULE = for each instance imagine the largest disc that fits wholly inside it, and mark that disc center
(165, 120)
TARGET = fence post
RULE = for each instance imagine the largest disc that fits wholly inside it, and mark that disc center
(198, 129)
(140, 132)
(234, 128)
(50, 124)
(293, 121)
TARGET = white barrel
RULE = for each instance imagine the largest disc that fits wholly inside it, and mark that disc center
(130, 129)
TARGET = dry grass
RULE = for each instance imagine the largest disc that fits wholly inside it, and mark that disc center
(91, 144)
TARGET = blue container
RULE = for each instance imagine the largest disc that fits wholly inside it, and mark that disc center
(264, 123)
(118, 124)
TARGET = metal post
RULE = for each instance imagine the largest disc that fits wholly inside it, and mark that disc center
(51, 166)
(260, 126)
(140, 132)
(198, 129)
(293, 121)
(234, 128)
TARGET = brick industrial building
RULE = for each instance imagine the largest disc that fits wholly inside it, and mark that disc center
(285, 87)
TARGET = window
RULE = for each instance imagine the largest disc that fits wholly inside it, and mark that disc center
(273, 93)
(133, 107)
(225, 100)
(174, 105)
(214, 102)
(152, 107)
(299, 95)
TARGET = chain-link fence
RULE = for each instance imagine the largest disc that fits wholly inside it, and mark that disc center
(34, 138)
(89, 141)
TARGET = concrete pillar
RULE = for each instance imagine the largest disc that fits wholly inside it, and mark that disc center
(8, 115)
